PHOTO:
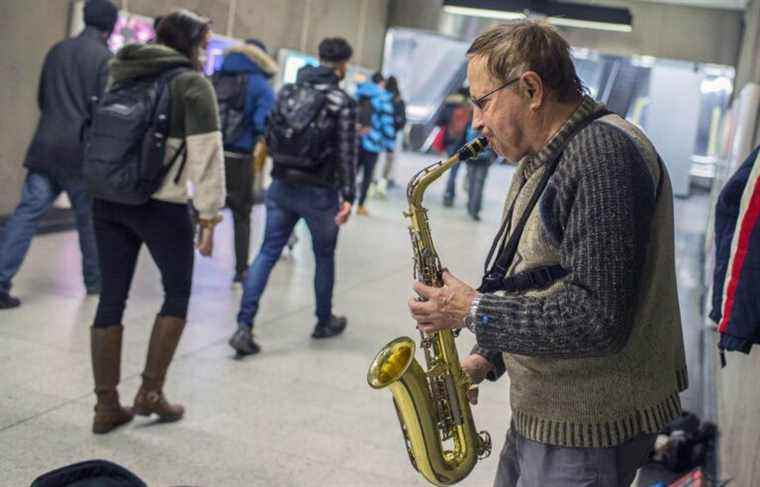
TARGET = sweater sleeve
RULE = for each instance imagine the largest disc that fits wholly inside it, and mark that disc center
(261, 99)
(205, 156)
(346, 143)
(597, 210)
(495, 358)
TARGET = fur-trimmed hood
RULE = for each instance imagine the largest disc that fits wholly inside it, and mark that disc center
(248, 58)
(137, 60)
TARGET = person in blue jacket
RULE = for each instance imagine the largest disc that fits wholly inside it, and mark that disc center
(736, 285)
(245, 101)
(377, 128)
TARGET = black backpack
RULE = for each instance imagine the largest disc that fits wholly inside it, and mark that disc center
(231, 91)
(399, 114)
(92, 473)
(364, 111)
(295, 137)
(124, 154)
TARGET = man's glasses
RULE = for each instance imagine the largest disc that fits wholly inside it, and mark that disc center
(480, 102)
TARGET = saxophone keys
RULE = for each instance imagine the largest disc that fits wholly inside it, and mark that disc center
(484, 445)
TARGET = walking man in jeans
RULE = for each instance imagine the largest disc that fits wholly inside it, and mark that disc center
(313, 178)
(73, 78)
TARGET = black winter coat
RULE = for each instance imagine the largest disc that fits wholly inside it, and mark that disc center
(75, 72)
(736, 285)
(339, 167)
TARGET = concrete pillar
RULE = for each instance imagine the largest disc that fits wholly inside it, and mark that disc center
(29, 28)
(748, 67)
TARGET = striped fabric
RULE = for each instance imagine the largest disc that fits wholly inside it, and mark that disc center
(749, 214)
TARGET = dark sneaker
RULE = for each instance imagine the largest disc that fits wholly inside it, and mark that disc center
(7, 301)
(242, 342)
(448, 202)
(239, 277)
(334, 327)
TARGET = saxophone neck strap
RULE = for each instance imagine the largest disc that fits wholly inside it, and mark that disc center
(495, 279)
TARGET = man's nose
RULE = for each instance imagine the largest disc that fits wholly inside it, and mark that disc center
(477, 119)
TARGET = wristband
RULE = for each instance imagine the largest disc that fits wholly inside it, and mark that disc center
(469, 321)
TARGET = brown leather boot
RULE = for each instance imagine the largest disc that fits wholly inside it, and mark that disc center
(105, 344)
(150, 399)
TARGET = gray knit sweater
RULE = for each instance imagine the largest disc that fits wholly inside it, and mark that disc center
(582, 354)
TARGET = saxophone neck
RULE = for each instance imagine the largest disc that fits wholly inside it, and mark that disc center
(420, 182)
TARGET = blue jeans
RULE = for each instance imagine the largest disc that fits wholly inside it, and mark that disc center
(286, 204)
(37, 196)
(366, 162)
(451, 182)
(476, 175)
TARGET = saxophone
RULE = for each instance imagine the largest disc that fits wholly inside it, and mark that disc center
(432, 407)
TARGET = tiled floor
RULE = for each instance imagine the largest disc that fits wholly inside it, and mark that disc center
(298, 414)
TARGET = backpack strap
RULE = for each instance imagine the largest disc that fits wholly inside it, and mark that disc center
(495, 279)
(536, 278)
(182, 150)
(164, 80)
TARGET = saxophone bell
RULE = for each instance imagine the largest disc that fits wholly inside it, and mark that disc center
(391, 363)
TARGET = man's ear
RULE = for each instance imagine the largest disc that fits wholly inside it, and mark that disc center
(534, 87)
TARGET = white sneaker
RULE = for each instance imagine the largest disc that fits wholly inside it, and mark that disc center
(381, 189)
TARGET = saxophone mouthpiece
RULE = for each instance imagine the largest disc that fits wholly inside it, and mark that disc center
(473, 148)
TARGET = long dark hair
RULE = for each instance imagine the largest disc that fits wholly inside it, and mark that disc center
(184, 31)
(391, 84)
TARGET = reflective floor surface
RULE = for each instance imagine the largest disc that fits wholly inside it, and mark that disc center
(300, 413)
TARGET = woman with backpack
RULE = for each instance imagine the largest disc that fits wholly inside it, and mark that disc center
(193, 154)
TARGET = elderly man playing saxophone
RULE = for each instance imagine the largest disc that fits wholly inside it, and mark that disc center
(578, 304)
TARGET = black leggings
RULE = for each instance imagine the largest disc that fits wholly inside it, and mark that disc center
(120, 231)
(366, 162)
(239, 174)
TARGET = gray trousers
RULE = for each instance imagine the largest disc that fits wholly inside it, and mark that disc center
(526, 463)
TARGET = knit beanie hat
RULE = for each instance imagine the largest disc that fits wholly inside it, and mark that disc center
(101, 14)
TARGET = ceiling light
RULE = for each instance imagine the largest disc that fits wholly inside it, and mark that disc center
(589, 24)
(483, 12)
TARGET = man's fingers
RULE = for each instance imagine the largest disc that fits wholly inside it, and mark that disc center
(424, 317)
(450, 280)
(421, 307)
(427, 327)
(472, 395)
(424, 290)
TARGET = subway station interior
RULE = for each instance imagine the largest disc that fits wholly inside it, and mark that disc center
(300, 411)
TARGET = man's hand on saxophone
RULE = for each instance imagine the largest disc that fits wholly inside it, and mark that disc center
(447, 307)
(477, 368)
(444, 307)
